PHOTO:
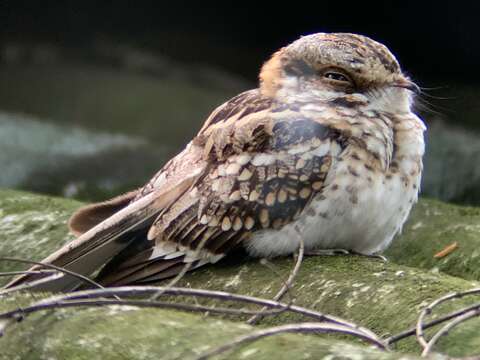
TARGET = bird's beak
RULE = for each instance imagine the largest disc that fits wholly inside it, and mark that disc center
(407, 84)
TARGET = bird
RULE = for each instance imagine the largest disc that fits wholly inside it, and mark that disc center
(326, 151)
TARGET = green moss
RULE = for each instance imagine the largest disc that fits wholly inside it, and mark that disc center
(385, 297)
(31, 226)
(122, 332)
(432, 227)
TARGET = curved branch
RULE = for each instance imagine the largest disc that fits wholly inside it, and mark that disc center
(427, 310)
(220, 295)
(449, 326)
(287, 285)
(407, 333)
(292, 328)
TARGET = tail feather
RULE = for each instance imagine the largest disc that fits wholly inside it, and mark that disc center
(88, 216)
(97, 246)
(172, 271)
(142, 272)
(134, 265)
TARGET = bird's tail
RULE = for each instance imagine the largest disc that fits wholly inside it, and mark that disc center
(116, 224)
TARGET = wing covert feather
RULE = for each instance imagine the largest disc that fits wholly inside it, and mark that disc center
(265, 166)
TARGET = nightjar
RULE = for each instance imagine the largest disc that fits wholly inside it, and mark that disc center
(326, 149)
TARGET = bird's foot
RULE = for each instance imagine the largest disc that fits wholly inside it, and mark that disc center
(327, 252)
(335, 252)
(372, 256)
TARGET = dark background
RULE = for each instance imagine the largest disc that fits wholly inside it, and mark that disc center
(434, 41)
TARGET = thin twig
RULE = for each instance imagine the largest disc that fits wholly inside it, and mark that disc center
(175, 291)
(41, 306)
(219, 295)
(184, 270)
(407, 333)
(70, 299)
(287, 285)
(291, 328)
(85, 298)
(427, 310)
(20, 313)
(449, 326)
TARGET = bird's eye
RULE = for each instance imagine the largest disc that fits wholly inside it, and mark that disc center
(336, 76)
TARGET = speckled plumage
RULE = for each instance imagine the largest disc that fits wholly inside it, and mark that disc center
(326, 149)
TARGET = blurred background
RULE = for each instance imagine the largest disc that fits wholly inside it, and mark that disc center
(96, 96)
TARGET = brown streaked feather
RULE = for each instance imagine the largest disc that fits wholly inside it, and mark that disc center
(140, 272)
(88, 216)
(223, 239)
(175, 214)
(211, 232)
(130, 258)
(169, 272)
(248, 128)
(234, 243)
(189, 224)
(239, 106)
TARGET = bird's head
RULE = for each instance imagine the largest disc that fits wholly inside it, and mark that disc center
(326, 66)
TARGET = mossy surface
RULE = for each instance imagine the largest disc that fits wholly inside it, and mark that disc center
(433, 226)
(384, 297)
(32, 226)
(124, 332)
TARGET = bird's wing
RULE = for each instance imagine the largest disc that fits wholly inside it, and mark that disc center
(266, 161)
(253, 166)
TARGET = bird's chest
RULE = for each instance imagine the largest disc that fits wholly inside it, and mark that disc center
(360, 209)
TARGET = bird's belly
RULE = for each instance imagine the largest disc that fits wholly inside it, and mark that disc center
(360, 214)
